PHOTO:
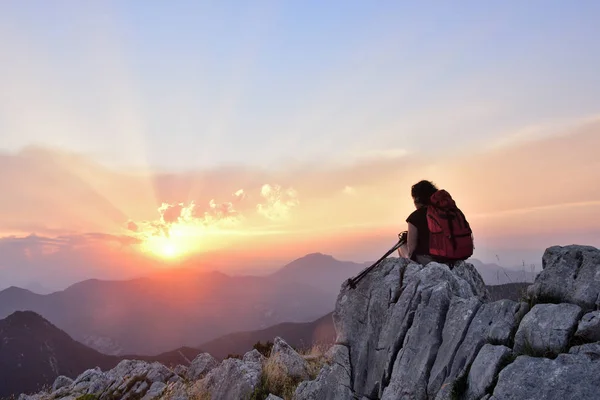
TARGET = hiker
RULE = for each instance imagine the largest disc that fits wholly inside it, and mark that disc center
(437, 229)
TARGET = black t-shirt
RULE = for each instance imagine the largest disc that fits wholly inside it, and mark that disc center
(419, 219)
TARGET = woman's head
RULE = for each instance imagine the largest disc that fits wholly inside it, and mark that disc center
(422, 191)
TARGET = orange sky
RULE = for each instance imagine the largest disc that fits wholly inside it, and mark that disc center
(520, 195)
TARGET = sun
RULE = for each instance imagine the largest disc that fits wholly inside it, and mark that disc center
(168, 250)
(176, 242)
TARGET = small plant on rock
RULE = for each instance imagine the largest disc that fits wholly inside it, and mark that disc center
(264, 349)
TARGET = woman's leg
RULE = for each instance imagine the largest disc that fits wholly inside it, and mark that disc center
(424, 259)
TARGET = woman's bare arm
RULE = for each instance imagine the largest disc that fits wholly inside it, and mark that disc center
(412, 239)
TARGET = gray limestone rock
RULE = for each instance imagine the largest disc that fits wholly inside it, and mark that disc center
(422, 341)
(571, 274)
(589, 327)
(61, 382)
(232, 379)
(591, 350)
(155, 391)
(181, 370)
(253, 356)
(568, 377)
(133, 378)
(484, 370)
(391, 326)
(91, 381)
(547, 329)
(179, 391)
(333, 382)
(201, 365)
(493, 323)
(287, 361)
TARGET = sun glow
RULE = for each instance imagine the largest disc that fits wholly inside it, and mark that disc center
(175, 242)
(168, 250)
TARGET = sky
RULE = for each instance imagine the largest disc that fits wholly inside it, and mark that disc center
(134, 134)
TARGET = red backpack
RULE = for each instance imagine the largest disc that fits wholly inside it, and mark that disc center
(450, 235)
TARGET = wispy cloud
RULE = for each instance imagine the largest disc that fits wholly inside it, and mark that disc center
(349, 190)
(279, 202)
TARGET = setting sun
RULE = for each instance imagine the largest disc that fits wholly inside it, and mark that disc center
(163, 247)
(168, 250)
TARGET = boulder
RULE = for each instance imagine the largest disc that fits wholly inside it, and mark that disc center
(200, 366)
(285, 360)
(484, 370)
(61, 382)
(547, 329)
(589, 327)
(568, 377)
(571, 274)
(233, 378)
(181, 370)
(592, 350)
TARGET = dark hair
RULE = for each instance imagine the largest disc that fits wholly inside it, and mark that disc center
(422, 191)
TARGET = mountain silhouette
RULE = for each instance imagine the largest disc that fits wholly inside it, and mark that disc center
(33, 352)
(171, 309)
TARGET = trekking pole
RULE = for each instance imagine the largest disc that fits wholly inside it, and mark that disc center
(353, 281)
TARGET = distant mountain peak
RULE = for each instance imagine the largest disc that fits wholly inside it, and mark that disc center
(15, 289)
(29, 319)
(317, 255)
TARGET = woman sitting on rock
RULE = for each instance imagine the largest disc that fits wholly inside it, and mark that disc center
(437, 229)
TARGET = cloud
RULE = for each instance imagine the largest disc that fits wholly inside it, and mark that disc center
(240, 195)
(170, 213)
(59, 261)
(279, 202)
(349, 190)
(188, 215)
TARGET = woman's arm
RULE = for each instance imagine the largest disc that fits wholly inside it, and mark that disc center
(411, 240)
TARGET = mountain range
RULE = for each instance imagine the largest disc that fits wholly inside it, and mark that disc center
(175, 308)
(184, 307)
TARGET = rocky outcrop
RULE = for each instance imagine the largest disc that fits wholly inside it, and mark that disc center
(409, 331)
(203, 379)
(130, 379)
(570, 275)
(233, 378)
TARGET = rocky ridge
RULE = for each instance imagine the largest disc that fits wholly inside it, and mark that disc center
(406, 331)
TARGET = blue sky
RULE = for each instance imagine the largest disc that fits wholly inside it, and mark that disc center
(181, 85)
